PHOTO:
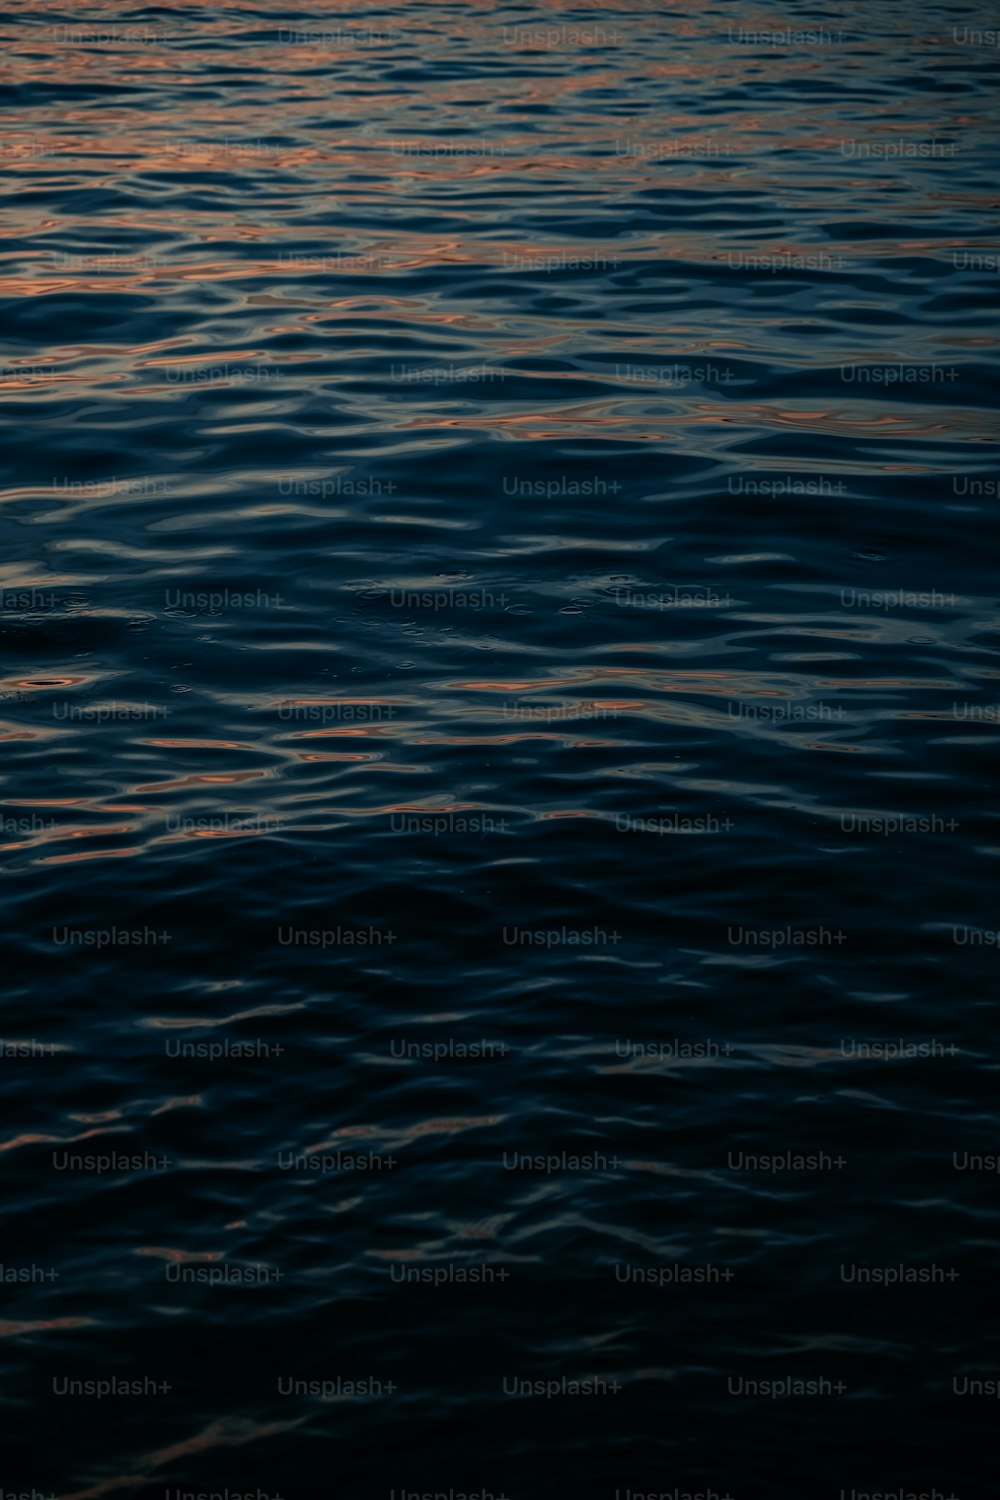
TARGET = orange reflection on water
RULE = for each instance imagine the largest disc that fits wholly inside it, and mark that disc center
(10, 1330)
(74, 859)
(164, 1252)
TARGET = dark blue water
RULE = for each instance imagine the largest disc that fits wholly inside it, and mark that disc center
(500, 694)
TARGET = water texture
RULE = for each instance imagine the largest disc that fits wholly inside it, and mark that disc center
(499, 698)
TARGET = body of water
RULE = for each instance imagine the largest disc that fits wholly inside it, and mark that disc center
(499, 701)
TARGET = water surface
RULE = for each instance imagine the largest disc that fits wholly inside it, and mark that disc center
(499, 690)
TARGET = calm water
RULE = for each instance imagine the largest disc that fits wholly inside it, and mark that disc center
(500, 694)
